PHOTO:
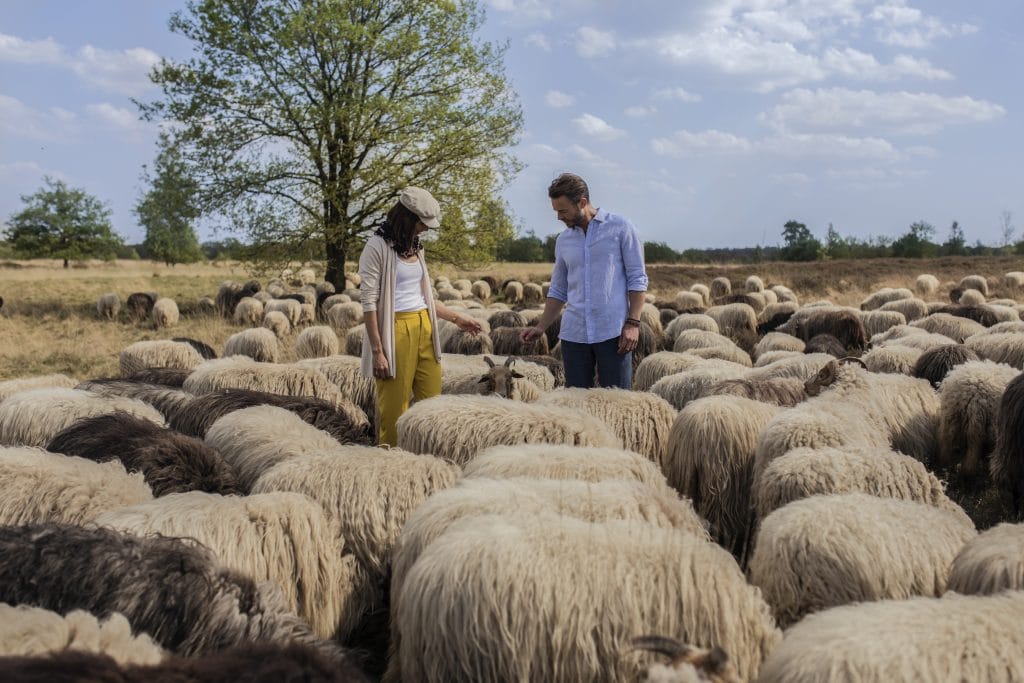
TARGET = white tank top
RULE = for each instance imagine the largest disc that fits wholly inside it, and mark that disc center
(408, 287)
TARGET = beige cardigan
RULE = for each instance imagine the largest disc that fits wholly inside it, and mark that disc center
(378, 269)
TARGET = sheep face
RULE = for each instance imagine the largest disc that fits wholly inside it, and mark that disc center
(828, 375)
(500, 379)
(711, 665)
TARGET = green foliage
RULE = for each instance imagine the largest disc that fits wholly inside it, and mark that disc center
(956, 244)
(168, 210)
(64, 223)
(229, 249)
(301, 120)
(659, 252)
(801, 245)
(836, 247)
(527, 248)
(915, 243)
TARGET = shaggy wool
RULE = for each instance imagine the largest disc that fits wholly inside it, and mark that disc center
(169, 461)
(345, 372)
(969, 398)
(277, 323)
(682, 387)
(991, 563)
(926, 284)
(710, 460)
(884, 296)
(825, 551)
(165, 313)
(40, 486)
(165, 399)
(662, 364)
(457, 427)
(27, 631)
(777, 341)
(34, 417)
(257, 344)
(172, 589)
(894, 358)
(640, 419)
(369, 491)
(953, 638)
(281, 537)
(157, 354)
(955, 327)
(13, 386)
(1006, 347)
(316, 342)
(805, 472)
(551, 598)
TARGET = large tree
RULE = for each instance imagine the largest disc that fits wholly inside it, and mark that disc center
(301, 119)
(168, 209)
(64, 223)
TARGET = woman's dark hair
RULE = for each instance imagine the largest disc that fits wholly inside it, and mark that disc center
(399, 230)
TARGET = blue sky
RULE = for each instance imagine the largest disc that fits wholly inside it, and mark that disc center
(707, 123)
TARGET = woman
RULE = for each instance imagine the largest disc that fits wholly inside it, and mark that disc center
(400, 349)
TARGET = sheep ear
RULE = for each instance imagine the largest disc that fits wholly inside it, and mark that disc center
(490, 363)
(517, 375)
(716, 661)
(670, 647)
(483, 379)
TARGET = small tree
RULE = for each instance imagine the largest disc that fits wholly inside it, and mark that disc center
(65, 223)
(835, 245)
(915, 243)
(801, 245)
(659, 252)
(1006, 228)
(956, 243)
(523, 249)
(168, 209)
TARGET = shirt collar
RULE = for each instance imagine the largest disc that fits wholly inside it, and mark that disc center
(600, 217)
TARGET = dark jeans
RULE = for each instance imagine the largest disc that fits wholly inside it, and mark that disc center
(613, 369)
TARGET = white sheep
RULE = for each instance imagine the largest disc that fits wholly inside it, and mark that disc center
(159, 353)
(720, 286)
(457, 427)
(884, 296)
(35, 416)
(258, 344)
(682, 387)
(754, 284)
(710, 460)
(27, 631)
(316, 342)
(108, 306)
(912, 309)
(486, 599)
(248, 311)
(975, 282)
(1004, 347)
(926, 284)
(892, 358)
(953, 638)
(704, 291)
(165, 312)
(49, 487)
(662, 364)
(969, 399)
(777, 341)
(990, 563)
(689, 300)
(345, 316)
(955, 327)
(12, 386)
(805, 472)
(281, 537)
(276, 322)
(640, 419)
(291, 308)
(825, 551)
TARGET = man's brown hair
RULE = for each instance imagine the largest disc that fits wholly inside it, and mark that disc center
(569, 185)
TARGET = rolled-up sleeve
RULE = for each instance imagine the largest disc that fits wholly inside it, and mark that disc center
(370, 267)
(633, 260)
(559, 288)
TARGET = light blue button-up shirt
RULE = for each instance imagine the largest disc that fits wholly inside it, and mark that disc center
(594, 273)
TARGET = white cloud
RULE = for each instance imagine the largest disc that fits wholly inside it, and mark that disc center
(897, 112)
(539, 40)
(20, 120)
(676, 93)
(542, 152)
(638, 112)
(20, 51)
(125, 120)
(684, 143)
(858, 65)
(558, 99)
(589, 157)
(528, 9)
(795, 178)
(903, 26)
(597, 127)
(122, 71)
(592, 42)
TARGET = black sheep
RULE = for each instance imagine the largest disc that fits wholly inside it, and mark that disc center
(172, 589)
(139, 305)
(979, 314)
(1007, 462)
(825, 343)
(204, 349)
(934, 364)
(168, 377)
(845, 326)
(196, 417)
(170, 462)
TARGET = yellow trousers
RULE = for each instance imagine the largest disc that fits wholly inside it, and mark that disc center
(417, 373)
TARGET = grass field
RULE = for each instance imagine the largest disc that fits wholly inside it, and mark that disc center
(48, 322)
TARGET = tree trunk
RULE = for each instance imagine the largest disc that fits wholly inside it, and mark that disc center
(65, 263)
(335, 264)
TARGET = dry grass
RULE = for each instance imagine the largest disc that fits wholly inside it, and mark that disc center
(49, 324)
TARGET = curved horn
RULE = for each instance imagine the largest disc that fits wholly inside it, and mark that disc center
(853, 359)
(510, 361)
(670, 647)
(490, 363)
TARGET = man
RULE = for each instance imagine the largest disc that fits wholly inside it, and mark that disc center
(599, 277)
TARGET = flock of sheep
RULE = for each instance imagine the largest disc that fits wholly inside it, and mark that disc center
(789, 493)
